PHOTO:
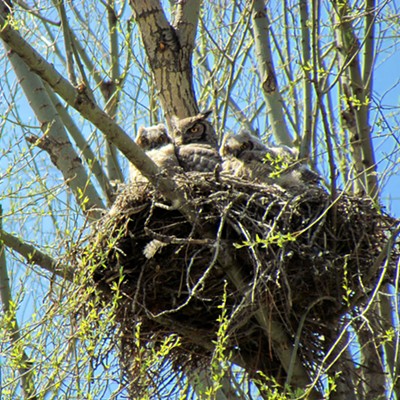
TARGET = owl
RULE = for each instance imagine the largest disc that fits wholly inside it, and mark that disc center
(292, 172)
(243, 156)
(157, 144)
(195, 143)
(152, 137)
(248, 157)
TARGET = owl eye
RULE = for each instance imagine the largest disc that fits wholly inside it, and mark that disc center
(247, 146)
(196, 128)
(143, 142)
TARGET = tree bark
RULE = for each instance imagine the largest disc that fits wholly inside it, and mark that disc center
(169, 53)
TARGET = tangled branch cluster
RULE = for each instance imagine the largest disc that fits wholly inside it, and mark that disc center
(305, 258)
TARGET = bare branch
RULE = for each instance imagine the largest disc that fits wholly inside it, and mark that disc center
(185, 23)
(33, 255)
(83, 103)
(112, 96)
(84, 147)
(267, 73)
(305, 145)
(64, 155)
(24, 365)
(359, 96)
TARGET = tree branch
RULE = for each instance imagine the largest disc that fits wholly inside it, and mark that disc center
(82, 102)
(112, 96)
(67, 160)
(91, 159)
(25, 367)
(359, 97)
(168, 57)
(305, 145)
(33, 255)
(185, 23)
(267, 72)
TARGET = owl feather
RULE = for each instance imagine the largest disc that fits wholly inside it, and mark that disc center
(195, 143)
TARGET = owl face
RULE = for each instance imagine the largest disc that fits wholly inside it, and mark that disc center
(244, 141)
(152, 137)
(194, 130)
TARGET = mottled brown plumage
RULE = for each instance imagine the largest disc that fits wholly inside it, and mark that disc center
(246, 156)
(158, 146)
(195, 143)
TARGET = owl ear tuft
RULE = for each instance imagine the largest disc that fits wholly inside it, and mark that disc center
(206, 113)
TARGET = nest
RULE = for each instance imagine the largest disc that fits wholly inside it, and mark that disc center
(299, 256)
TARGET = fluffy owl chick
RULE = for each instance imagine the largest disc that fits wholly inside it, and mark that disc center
(152, 137)
(247, 156)
(243, 156)
(157, 144)
(292, 172)
(195, 143)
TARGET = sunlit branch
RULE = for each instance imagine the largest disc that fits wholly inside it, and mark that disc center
(267, 73)
(111, 91)
(306, 137)
(77, 98)
(90, 158)
(359, 98)
(63, 154)
(185, 23)
(169, 59)
(35, 256)
(24, 365)
(67, 42)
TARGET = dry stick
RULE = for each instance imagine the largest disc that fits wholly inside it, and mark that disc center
(25, 366)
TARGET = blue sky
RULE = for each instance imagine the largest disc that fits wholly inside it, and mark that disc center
(28, 201)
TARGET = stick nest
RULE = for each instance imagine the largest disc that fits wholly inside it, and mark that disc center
(300, 256)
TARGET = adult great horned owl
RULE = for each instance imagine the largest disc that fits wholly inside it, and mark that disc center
(247, 156)
(157, 144)
(195, 143)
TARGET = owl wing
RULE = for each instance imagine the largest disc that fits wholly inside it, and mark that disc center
(164, 157)
(298, 177)
(198, 157)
